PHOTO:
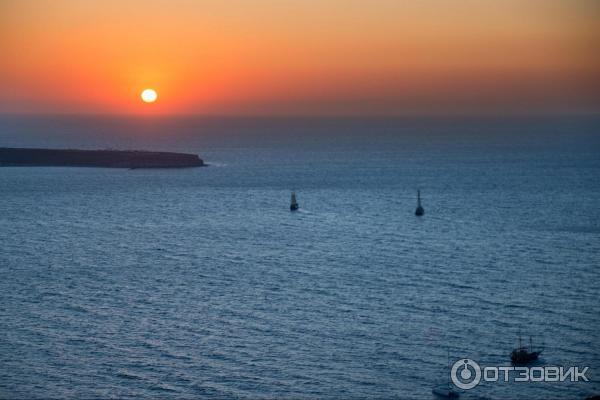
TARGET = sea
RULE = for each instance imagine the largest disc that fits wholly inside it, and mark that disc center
(200, 283)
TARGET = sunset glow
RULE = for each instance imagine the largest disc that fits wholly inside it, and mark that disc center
(311, 57)
(149, 96)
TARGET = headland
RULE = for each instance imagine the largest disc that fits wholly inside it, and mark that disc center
(96, 158)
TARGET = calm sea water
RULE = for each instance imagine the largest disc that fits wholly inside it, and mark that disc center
(199, 283)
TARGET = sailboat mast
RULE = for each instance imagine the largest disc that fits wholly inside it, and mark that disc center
(520, 345)
(419, 198)
(530, 343)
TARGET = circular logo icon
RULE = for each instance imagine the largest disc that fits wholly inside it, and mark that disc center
(465, 374)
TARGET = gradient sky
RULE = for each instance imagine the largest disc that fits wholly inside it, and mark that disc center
(300, 56)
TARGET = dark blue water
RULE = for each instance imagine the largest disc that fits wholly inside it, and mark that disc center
(199, 283)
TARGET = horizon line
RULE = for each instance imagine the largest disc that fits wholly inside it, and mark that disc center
(307, 115)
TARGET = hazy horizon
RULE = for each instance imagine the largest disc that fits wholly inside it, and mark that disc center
(324, 116)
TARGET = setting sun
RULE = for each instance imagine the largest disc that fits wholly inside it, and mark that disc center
(149, 96)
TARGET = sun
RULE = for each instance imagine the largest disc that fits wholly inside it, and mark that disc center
(149, 96)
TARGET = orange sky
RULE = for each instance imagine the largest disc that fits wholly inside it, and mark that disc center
(300, 56)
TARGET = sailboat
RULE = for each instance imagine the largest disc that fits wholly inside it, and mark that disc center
(293, 203)
(523, 354)
(447, 391)
(419, 211)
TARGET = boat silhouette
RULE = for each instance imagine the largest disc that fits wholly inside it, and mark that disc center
(293, 203)
(523, 354)
(419, 211)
